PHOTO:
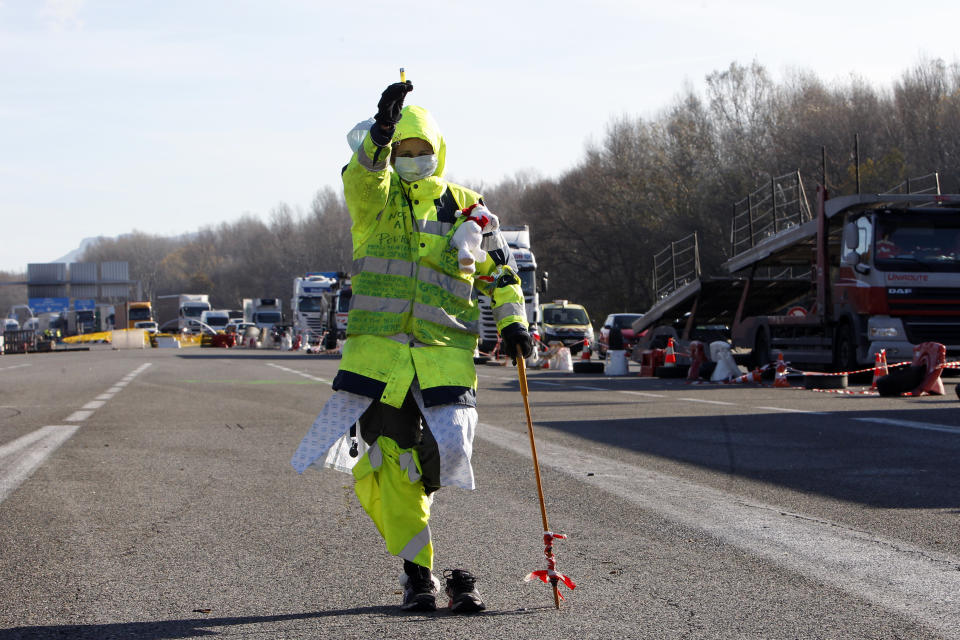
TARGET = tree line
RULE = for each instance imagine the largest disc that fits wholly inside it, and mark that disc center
(649, 181)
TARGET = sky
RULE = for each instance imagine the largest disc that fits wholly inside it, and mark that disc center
(165, 116)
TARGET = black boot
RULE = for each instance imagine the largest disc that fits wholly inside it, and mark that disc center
(419, 588)
(463, 595)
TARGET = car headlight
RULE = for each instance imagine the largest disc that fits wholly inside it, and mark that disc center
(884, 332)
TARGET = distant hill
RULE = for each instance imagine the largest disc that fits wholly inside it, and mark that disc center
(76, 254)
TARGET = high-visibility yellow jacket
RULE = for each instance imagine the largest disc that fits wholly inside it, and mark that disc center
(412, 312)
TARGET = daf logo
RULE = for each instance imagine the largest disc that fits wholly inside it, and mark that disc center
(899, 292)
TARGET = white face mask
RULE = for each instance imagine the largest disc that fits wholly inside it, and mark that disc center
(413, 169)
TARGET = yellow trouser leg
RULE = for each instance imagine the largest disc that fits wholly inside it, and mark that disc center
(388, 486)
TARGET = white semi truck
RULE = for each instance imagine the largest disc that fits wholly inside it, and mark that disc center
(267, 312)
(518, 239)
(182, 307)
(314, 307)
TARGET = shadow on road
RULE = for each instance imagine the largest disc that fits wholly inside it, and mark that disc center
(201, 627)
(857, 457)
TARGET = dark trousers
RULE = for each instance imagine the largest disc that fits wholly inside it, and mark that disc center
(409, 430)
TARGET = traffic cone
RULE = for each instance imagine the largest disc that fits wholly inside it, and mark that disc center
(670, 359)
(877, 366)
(780, 379)
(585, 353)
(883, 362)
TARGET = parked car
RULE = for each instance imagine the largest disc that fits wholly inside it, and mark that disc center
(622, 321)
(565, 322)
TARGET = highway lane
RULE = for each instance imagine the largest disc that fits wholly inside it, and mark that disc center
(693, 511)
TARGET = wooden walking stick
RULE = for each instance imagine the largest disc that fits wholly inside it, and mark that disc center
(550, 574)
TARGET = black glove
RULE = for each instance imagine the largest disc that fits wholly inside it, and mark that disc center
(391, 102)
(513, 336)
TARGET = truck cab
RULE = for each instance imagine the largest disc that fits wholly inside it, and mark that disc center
(216, 318)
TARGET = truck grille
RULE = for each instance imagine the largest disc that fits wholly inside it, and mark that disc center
(946, 332)
(926, 300)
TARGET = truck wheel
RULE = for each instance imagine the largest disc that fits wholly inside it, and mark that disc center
(761, 350)
(845, 349)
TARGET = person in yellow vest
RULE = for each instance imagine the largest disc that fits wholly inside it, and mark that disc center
(407, 377)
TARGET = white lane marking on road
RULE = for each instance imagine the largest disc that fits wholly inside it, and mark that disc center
(299, 373)
(575, 386)
(910, 424)
(812, 413)
(93, 405)
(729, 404)
(19, 458)
(16, 366)
(912, 581)
(641, 393)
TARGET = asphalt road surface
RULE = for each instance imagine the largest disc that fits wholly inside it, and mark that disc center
(149, 495)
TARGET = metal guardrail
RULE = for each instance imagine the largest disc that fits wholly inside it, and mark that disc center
(779, 205)
(676, 266)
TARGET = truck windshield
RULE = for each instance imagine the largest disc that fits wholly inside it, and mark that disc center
(139, 313)
(918, 242)
(310, 304)
(194, 312)
(269, 316)
(565, 316)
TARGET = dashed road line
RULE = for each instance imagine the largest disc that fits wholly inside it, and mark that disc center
(19, 458)
(15, 366)
(299, 373)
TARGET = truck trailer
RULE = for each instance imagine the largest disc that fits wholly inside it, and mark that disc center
(864, 273)
(181, 307)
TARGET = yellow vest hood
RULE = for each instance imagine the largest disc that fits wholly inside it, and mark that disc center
(418, 123)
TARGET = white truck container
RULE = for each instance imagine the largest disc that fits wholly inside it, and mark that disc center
(518, 239)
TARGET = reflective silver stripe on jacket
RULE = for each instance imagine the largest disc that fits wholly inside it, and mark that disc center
(408, 339)
(375, 455)
(416, 544)
(441, 317)
(407, 464)
(434, 227)
(367, 162)
(459, 288)
(386, 266)
(375, 303)
(509, 309)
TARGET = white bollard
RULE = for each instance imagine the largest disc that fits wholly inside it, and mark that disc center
(616, 363)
